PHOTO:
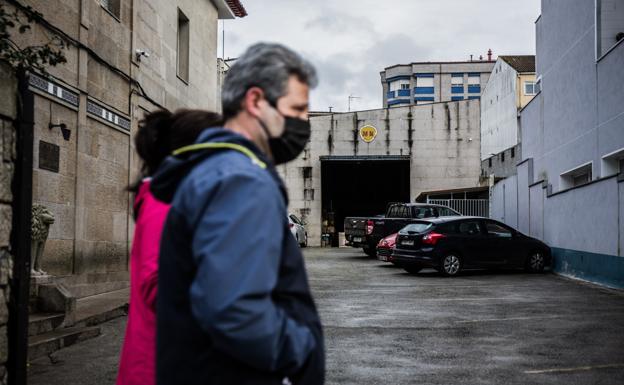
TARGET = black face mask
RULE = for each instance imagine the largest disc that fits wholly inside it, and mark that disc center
(292, 141)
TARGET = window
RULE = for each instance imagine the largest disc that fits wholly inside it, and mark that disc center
(474, 79)
(424, 85)
(456, 98)
(403, 84)
(308, 194)
(529, 88)
(490, 162)
(112, 6)
(457, 79)
(446, 212)
(513, 152)
(613, 163)
(609, 25)
(469, 228)
(183, 46)
(502, 156)
(577, 176)
(497, 230)
(307, 172)
(416, 228)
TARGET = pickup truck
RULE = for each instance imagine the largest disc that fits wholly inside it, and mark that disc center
(366, 232)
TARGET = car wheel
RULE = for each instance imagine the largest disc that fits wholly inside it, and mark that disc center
(535, 262)
(412, 269)
(305, 241)
(450, 265)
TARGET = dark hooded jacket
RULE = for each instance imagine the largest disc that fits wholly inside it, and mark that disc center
(234, 305)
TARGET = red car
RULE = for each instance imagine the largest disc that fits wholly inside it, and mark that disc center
(385, 246)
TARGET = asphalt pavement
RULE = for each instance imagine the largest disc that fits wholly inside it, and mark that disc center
(385, 326)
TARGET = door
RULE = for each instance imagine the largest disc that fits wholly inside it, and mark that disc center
(471, 242)
(501, 248)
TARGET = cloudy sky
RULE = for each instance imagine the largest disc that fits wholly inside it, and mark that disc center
(351, 41)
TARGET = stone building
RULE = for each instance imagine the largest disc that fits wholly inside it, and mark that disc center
(357, 162)
(125, 58)
(568, 189)
(429, 82)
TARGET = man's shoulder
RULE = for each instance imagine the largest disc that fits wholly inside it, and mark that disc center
(228, 167)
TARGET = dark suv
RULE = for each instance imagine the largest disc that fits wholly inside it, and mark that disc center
(450, 244)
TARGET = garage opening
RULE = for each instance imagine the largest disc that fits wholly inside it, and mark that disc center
(354, 186)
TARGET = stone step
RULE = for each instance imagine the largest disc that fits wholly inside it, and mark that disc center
(100, 308)
(83, 290)
(40, 323)
(44, 344)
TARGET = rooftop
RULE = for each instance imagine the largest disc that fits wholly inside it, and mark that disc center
(521, 63)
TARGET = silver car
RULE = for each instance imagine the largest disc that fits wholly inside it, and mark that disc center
(297, 228)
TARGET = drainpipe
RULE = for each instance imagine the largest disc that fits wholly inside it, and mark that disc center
(21, 236)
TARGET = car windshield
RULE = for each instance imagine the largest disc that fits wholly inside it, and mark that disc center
(416, 228)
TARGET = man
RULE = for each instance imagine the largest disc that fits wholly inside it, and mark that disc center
(234, 306)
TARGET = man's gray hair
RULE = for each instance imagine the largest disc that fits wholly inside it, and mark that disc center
(267, 66)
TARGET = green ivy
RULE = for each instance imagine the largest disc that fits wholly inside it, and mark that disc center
(31, 58)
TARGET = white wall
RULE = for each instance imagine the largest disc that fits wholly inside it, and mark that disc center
(499, 123)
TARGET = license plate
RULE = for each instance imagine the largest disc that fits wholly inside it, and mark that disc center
(357, 239)
(383, 258)
(407, 243)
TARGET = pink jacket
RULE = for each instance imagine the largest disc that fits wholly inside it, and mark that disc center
(138, 356)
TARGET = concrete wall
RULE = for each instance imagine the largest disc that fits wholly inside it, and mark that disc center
(444, 150)
(87, 194)
(567, 125)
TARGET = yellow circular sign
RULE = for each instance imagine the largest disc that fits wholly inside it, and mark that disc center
(368, 133)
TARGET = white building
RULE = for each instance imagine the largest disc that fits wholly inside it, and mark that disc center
(509, 89)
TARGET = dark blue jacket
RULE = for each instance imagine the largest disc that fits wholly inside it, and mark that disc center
(234, 305)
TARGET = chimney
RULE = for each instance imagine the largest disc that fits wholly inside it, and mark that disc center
(470, 57)
(481, 57)
(490, 54)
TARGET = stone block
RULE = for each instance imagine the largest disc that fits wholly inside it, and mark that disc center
(4, 344)
(6, 267)
(6, 218)
(6, 177)
(9, 151)
(4, 311)
(8, 92)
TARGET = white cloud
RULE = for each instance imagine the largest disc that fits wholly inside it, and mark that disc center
(351, 41)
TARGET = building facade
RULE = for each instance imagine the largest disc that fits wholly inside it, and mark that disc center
(358, 162)
(510, 87)
(124, 58)
(569, 187)
(430, 82)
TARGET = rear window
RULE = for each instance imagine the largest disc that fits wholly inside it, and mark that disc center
(423, 212)
(417, 227)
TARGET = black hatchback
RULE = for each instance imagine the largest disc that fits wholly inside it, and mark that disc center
(451, 244)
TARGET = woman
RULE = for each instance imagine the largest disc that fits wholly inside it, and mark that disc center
(159, 134)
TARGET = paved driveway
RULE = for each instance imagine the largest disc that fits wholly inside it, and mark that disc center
(384, 326)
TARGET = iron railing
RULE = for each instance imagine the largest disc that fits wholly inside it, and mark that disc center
(473, 207)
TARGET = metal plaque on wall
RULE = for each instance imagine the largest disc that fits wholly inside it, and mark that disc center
(49, 156)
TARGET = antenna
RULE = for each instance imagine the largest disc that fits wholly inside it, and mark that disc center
(330, 108)
(351, 97)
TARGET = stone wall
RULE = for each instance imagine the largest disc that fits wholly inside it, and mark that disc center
(8, 110)
(441, 140)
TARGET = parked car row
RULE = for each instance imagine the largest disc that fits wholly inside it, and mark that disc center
(366, 232)
(451, 244)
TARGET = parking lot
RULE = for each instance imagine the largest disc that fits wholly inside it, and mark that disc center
(384, 326)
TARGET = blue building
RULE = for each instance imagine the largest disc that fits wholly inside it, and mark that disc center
(569, 188)
(429, 82)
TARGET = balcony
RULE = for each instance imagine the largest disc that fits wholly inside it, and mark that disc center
(390, 95)
(474, 89)
(457, 89)
(404, 93)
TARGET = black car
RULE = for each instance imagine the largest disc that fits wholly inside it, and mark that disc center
(450, 244)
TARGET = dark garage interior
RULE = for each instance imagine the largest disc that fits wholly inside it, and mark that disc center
(360, 187)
